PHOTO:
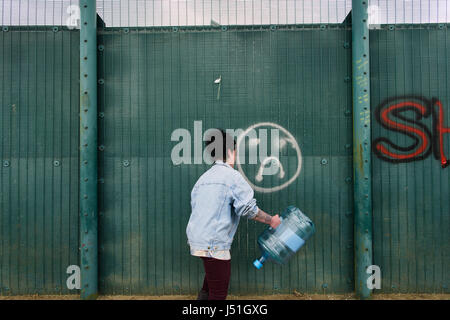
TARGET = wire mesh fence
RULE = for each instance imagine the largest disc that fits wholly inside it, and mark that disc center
(150, 13)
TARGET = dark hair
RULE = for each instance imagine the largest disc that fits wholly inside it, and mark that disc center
(218, 150)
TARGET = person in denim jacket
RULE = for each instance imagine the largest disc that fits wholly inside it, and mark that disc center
(219, 198)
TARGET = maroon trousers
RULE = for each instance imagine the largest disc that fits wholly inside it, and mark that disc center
(217, 278)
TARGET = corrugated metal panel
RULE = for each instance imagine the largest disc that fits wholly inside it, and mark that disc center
(410, 200)
(38, 126)
(156, 82)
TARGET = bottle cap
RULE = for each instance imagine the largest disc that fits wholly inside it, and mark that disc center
(257, 264)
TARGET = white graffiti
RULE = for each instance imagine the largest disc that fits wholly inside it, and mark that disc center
(274, 162)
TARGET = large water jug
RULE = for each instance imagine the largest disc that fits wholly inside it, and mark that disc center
(281, 243)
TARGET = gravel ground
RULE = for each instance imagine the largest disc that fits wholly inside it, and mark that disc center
(295, 296)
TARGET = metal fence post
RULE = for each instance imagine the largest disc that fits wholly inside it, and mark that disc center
(362, 172)
(88, 150)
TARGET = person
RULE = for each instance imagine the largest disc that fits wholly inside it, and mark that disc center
(219, 198)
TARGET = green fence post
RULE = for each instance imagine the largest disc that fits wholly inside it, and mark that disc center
(362, 173)
(88, 150)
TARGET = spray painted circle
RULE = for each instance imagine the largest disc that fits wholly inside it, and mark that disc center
(294, 144)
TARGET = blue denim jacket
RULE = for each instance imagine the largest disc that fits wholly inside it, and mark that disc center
(219, 198)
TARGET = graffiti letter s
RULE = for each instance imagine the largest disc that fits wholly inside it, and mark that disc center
(421, 147)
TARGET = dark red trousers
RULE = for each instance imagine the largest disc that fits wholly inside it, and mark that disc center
(217, 278)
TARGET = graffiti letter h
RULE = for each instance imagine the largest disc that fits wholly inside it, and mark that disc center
(441, 130)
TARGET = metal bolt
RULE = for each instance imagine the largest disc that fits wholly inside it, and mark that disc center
(324, 161)
(346, 45)
(348, 179)
(175, 29)
(5, 29)
(126, 163)
(55, 29)
(101, 147)
(56, 163)
(126, 30)
(6, 163)
(101, 81)
(101, 115)
(273, 27)
(101, 47)
(325, 285)
(224, 28)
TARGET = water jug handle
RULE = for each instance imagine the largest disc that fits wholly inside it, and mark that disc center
(281, 220)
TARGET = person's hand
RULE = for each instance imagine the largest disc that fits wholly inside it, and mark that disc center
(275, 222)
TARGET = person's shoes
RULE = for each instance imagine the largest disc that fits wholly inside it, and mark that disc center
(202, 295)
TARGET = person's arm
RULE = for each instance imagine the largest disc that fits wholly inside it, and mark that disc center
(273, 221)
(245, 205)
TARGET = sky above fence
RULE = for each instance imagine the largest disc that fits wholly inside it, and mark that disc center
(126, 13)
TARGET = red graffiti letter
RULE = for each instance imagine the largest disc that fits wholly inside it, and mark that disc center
(441, 130)
(422, 143)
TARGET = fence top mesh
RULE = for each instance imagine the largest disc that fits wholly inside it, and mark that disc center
(151, 13)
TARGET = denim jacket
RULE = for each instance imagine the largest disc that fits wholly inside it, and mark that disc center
(219, 198)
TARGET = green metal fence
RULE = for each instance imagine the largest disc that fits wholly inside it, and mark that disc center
(409, 78)
(156, 82)
(39, 153)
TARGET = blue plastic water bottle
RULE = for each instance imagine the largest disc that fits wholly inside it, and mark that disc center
(281, 243)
